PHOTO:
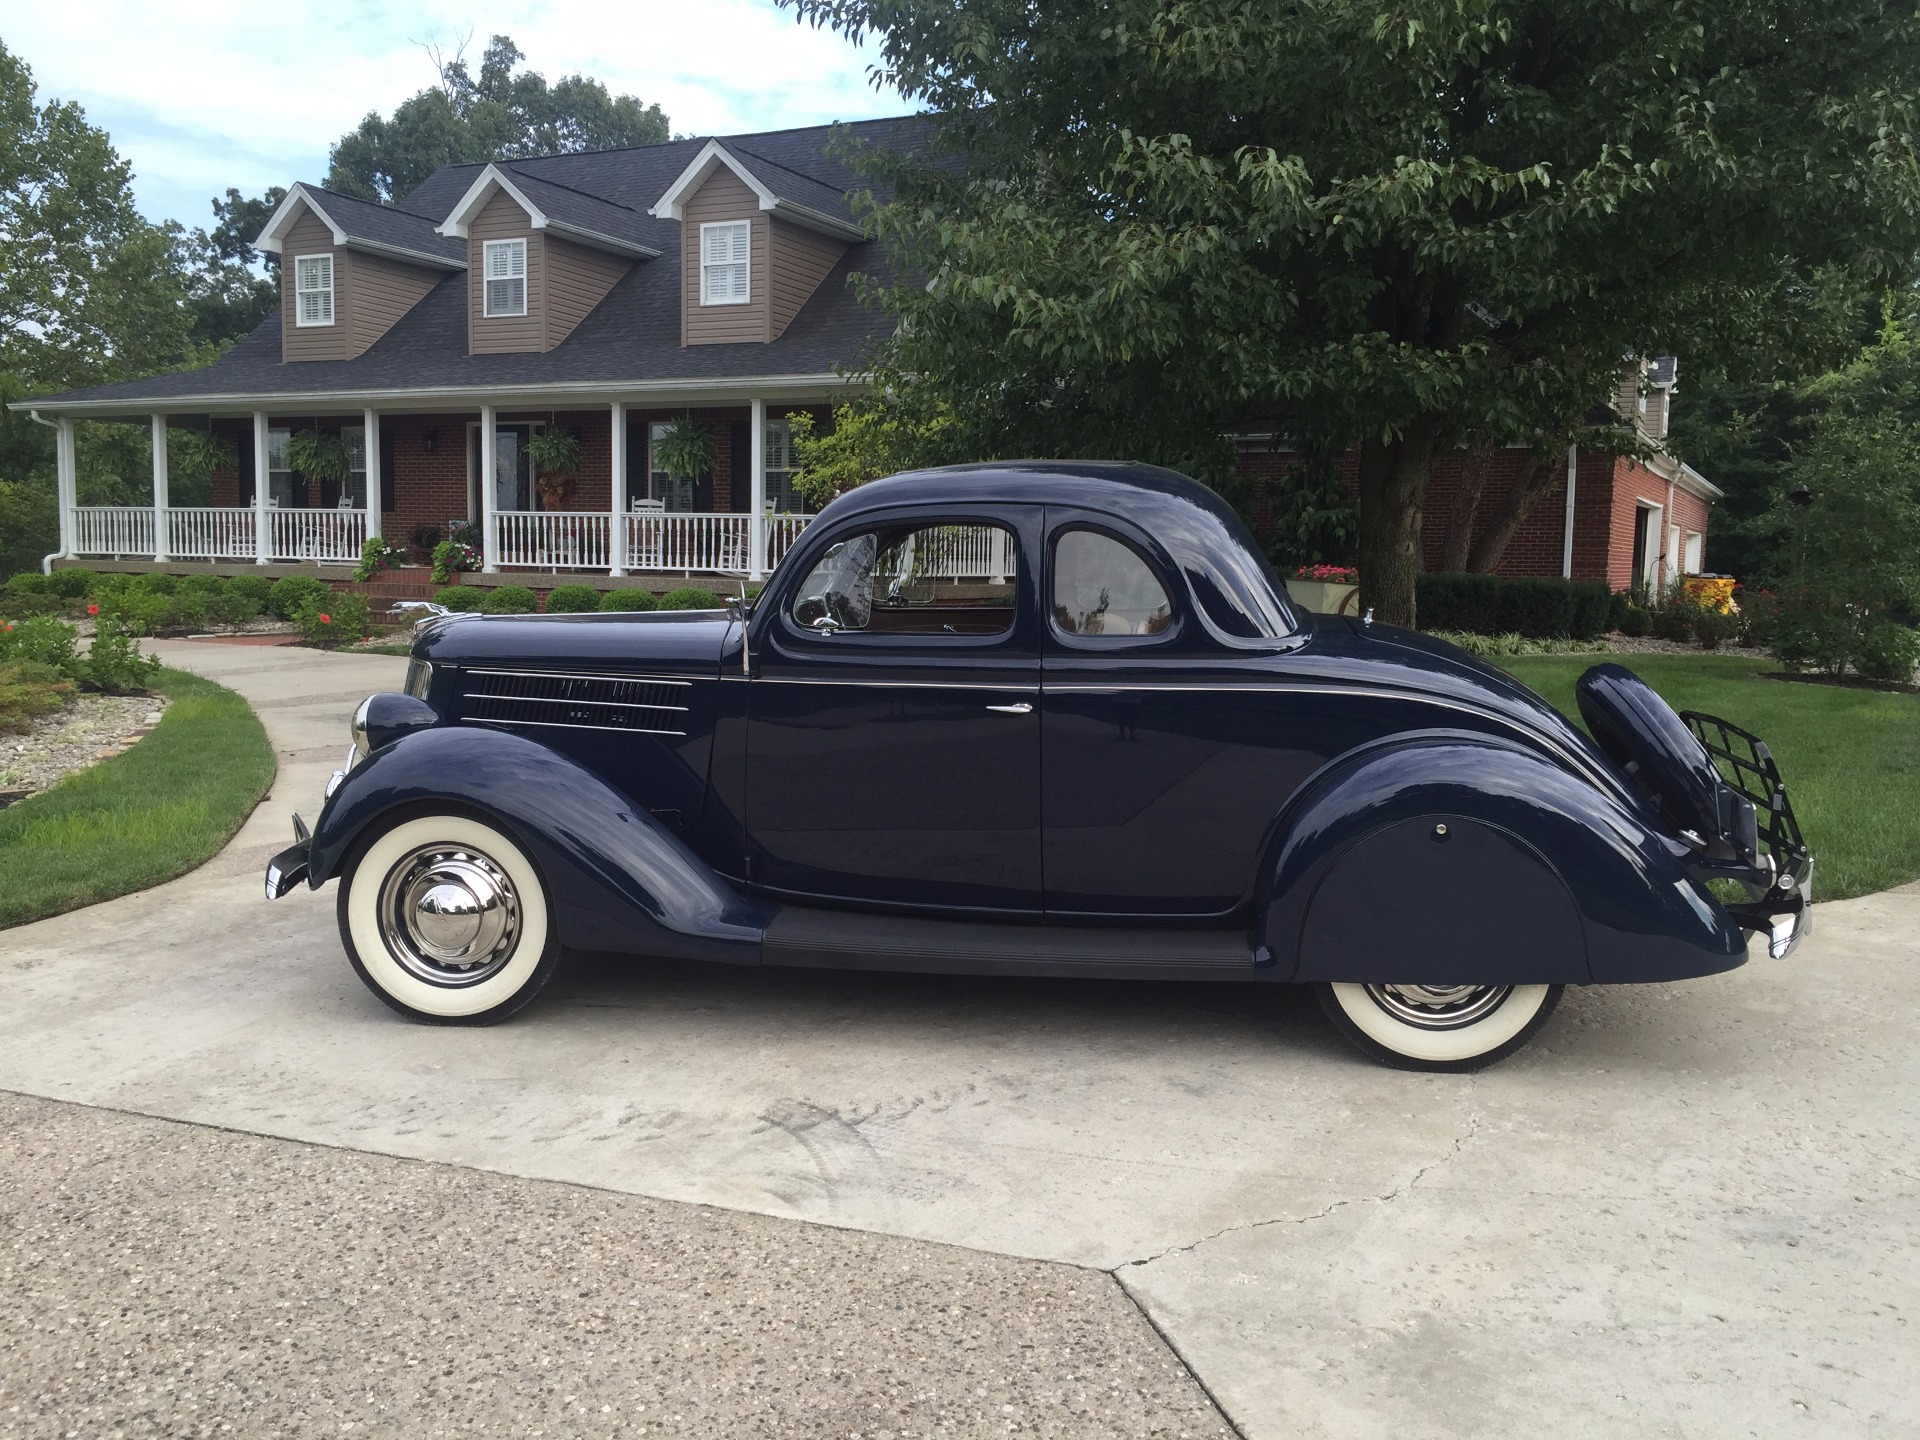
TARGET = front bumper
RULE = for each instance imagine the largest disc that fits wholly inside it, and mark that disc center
(289, 867)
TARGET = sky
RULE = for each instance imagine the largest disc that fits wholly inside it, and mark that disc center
(202, 95)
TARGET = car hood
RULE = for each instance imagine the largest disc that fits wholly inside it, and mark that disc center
(673, 642)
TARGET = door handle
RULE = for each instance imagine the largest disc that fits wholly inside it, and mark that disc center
(1021, 707)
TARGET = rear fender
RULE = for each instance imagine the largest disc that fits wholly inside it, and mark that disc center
(620, 880)
(1451, 858)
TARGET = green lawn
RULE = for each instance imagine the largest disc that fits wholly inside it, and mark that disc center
(1851, 758)
(163, 807)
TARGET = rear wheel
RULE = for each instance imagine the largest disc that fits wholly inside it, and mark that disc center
(446, 920)
(1438, 1027)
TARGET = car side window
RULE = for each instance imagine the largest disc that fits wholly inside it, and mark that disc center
(1103, 586)
(914, 580)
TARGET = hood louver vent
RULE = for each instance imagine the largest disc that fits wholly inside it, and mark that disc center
(577, 702)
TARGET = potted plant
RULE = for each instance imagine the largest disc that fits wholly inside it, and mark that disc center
(555, 454)
(684, 450)
(319, 455)
(1326, 589)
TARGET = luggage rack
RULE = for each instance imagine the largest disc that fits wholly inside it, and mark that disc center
(1745, 763)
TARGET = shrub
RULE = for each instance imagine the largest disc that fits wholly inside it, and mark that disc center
(233, 606)
(510, 600)
(690, 597)
(1489, 645)
(155, 583)
(1889, 651)
(466, 598)
(1636, 623)
(572, 600)
(293, 593)
(140, 611)
(342, 619)
(1592, 610)
(19, 604)
(1617, 606)
(1713, 628)
(1674, 621)
(255, 588)
(28, 692)
(43, 640)
(27, 582)
(1759, 617)
(72, 584)
(106, 582)
(1541, 608)
(631, 600)
(114, 663)
(1458, 602)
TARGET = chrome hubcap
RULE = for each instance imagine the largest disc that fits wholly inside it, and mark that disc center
(450, 915)
(1439, 1007)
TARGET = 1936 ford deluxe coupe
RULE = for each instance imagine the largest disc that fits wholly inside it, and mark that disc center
(1046, 718)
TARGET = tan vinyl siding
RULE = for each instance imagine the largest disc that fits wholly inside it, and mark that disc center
(313, 342)
(724, 197)
(502, 219)
(1655, 420)
(382, 290)
(577, 280)
(801, 259)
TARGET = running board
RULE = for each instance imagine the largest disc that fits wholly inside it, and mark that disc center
(854, 940)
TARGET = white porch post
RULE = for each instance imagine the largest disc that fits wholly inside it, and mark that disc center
(66, 482)
(374, 478)
(757, 521)
(1566, 541)
(262, 535)
(489, 459)
(159, 488)
(617, 536)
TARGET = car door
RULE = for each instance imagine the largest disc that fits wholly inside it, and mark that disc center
(893, 737)
(1166, 758)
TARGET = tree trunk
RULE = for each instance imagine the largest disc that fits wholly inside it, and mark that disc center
(1528, 486)
(1393, 485)
(1466, 500)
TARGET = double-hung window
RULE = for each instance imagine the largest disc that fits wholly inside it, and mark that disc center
(506, 277)
(313, 290)
(723, 262)
(781, 495)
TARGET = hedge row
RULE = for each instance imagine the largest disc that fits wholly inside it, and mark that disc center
(1539, 608)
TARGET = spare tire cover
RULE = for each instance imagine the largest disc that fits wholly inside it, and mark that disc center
(1634, 726)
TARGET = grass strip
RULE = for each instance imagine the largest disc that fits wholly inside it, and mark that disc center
(158, 810)
(1848, 756)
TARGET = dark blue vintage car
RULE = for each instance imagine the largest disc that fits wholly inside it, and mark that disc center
(1043, 719)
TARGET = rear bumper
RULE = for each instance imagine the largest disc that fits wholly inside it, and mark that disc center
(1784, 914)
(1770, 858)
(289, 867)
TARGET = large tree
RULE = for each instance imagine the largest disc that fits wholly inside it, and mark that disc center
(495, 115)
(1150, 222)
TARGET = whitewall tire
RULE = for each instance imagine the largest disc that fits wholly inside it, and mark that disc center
(446, 920)
(1438, 1027)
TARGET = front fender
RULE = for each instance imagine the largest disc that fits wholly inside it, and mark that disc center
(1452, 858)
(620, 880)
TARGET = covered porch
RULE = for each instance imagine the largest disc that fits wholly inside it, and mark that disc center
(415, 477)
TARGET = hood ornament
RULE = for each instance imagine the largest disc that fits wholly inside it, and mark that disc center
(1367, 619)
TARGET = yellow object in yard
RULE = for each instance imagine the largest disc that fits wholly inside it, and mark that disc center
(1710, 592)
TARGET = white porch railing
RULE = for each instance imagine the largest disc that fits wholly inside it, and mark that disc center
(117, 530)
(692, 542)
(325, 535)
(211, 532)
(554, 539)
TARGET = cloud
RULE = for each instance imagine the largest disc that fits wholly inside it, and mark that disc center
(205, 95)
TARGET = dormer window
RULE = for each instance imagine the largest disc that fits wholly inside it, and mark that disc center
(723, 262)
(313, 290)
(506, 276)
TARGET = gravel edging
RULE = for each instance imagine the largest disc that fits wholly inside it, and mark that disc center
(90, 729)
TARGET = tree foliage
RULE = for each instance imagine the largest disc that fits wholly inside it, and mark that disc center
(496, 115)
(1150, 222)
(867, 440)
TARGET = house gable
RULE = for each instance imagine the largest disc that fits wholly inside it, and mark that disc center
(724, 197)
(565, 279)
(502, 218)
(305, 237)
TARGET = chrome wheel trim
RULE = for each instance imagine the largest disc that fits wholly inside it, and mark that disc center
(450, 915)
(1439, 1007)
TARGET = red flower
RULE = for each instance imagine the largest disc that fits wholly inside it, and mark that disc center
(325, 619)
(93, 609)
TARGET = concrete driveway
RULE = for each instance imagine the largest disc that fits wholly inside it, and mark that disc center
(1687, 1210)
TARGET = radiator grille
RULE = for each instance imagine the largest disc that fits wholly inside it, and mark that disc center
(585, 702)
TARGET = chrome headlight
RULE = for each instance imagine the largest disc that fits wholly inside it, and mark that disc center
(357, 731)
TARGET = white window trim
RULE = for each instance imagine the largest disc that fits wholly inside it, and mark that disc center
(487, 277)
(299, 316)
(745, 297)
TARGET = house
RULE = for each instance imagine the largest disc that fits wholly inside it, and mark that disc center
(609, 293)
(1625, 520)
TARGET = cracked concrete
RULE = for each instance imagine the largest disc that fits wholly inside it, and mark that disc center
(1686, 1210)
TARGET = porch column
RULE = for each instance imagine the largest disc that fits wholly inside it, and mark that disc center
(159, 488)
(617, 536)
(1566, 541)
(374, 478)
(757, 521)
(262, 535)
(489, 530)
(66, 483)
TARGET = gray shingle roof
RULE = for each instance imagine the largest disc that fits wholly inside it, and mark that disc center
(630, 339)
(386, 226)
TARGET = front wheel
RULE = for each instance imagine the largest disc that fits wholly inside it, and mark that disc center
(1438, 1027)
(446, 920)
